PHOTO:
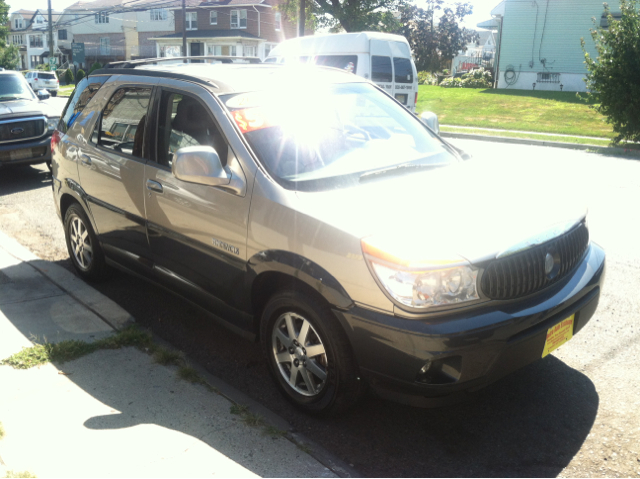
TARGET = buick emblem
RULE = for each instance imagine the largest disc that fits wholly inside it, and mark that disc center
(17, 131)
(549, 262)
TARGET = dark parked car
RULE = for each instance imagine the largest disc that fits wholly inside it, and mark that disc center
(26, 122)
(334, 227)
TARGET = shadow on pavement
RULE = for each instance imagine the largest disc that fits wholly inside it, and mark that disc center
(529, 424)
(17, 179)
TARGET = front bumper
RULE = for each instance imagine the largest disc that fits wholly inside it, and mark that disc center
(469, 349)
(26, 153)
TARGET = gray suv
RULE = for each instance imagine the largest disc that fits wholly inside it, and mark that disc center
(305, 208)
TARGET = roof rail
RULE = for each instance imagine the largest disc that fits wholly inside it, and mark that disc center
(193, 59)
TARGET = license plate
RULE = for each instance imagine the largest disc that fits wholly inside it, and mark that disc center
(20, 154)
(402, 98)
(558, 335)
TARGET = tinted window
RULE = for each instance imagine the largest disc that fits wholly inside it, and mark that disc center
(14, 87)
(46, 76)
(344, 62)
(184, 121)
(123, 121)
(403, 70)
(83, 93)
(381, 69)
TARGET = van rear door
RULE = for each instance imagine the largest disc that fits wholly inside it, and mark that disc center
(404, 75)
(381, 65)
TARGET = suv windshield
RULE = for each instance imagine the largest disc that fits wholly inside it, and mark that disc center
(14, 87)
(334, 137)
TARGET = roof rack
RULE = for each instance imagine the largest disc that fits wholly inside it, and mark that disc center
(191, 59)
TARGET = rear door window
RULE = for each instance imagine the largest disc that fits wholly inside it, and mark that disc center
(46, 76)
(82, 95)
(403, 70)
(381, 69)
(122, 124)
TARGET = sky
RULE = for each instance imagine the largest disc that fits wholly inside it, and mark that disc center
(481, 8)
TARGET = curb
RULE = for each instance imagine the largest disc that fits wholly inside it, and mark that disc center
(555, 144)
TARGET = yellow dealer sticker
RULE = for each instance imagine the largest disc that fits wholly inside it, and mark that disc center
(558, 335)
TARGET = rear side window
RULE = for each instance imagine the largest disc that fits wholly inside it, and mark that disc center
(381, 69)
(344, 62)
(46, 76)
(123, 121)
(82, 95)
(403, 70)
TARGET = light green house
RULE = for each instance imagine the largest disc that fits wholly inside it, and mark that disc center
(539, 42)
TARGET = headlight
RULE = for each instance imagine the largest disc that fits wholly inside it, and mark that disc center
(52, 123)
(422, 284)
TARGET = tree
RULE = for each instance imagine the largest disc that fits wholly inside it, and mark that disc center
(95, 66)
(434, 32)
(351, 15)
(612, 78)
(9, 56)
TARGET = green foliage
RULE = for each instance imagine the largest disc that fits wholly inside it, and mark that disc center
(612, 77)
(43, 67)
(451, 83)
(94, 67)
(9, 54)
(478, 78)
(426, 78)
(19, 474)
(4, 19)
(434, 33)
(68, 76)
(80, 75)
(352, 16)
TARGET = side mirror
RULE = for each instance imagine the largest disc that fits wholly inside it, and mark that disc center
(43, 94)
(431, 120)
(201, 165)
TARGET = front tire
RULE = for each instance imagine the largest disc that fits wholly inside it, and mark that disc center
(309, 355)
(83, 246)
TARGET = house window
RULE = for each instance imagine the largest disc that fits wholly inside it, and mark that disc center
(158, 14)
(214, 49)
(35, 41)
(278, 21)
(548, 77)
(18, 23)
(604, 19)
(268, 47)
(105, 46)
(232, 50)
(213, 18)
(238, 19)
(192, 21)
(35, 60)
(171, 51)
(62, 34)
(39, 20)
(17, 40)
(249, 51)
(102, 17)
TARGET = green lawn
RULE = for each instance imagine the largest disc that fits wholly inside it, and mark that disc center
(66, 90)
(548, 112)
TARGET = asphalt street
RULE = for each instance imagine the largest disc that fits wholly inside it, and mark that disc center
(575, 413)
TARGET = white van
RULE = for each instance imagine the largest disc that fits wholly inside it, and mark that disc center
(383, 58)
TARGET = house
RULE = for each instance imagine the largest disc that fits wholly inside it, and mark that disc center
(227, 27)
(477, 54)
(113, 30)
(29, 30)
(539, 42)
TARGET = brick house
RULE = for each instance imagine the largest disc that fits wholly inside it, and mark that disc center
(113, 30)
(227, 27)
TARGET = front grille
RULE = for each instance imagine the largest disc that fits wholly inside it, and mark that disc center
(22, 129)
(524, 273)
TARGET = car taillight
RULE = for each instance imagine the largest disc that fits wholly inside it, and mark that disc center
(416, 101)
(55, 139)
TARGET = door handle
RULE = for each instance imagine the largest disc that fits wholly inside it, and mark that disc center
(154, 186)
(85, 160)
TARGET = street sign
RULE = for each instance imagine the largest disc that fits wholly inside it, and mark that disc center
(53, 63)
(77, 51)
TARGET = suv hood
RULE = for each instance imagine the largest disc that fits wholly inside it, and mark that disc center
(24, 107)
(470, 210)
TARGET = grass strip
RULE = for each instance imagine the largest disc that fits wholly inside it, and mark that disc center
(19, 474)
(524, 110)
(526, 136)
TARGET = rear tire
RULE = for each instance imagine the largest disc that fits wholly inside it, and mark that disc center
(309, 355)
(54, 93)
(84, 249)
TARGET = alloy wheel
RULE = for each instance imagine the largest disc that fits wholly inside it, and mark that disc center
(299, 354)
(80, 243)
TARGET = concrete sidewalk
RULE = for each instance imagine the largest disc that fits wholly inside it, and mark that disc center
(116, 413)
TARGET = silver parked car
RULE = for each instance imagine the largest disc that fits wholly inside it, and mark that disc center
(306, 208)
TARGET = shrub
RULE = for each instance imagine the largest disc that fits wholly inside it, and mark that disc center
(451, 83)
(94, 67)
(426, 78)
(68, 76)
(80, 75)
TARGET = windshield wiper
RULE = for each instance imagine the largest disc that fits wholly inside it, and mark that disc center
(397, 169)
(12, 98)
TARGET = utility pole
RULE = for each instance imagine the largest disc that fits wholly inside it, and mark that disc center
(184, 31)
(51, 49)
(301, 18)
